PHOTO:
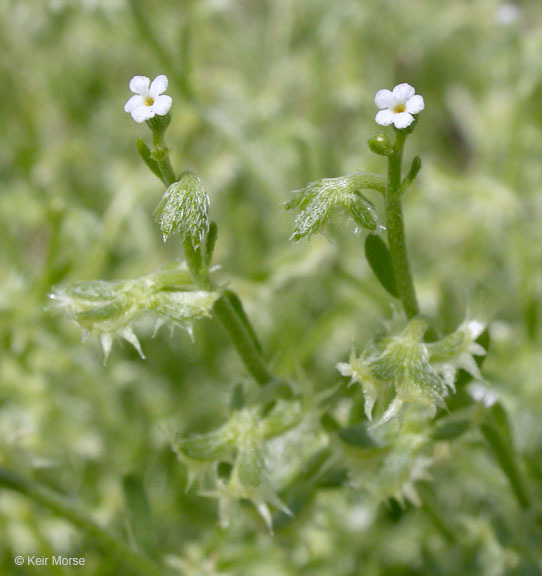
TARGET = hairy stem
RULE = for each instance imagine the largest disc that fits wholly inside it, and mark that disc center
(231, 317)
(133, 562)
(242, 340)
(161, 156)
(396, 229)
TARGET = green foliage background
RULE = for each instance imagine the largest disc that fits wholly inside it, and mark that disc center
(267, 96)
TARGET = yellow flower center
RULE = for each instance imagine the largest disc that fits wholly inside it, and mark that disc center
(148, 101)
(399, 108)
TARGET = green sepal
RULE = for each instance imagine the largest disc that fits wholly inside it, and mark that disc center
(158, 123)
(205, 447)
(172, 276)
(284, 416)
(409, 129)
(379, 259)
(108, 312)
(319, 200)
(145, 153)
(250, 464)
(275, 389)
(110, 309)
(184, 208)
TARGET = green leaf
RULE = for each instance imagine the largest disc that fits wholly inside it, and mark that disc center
(358, 436)
(329, 423)
(449, 429)
(496, 431)
(317, 202)
(379, 259)
(237, 305)
(139, 513)
(210, 243)
(184, 208)
(237, 401)
(145, 153)
(415, 167)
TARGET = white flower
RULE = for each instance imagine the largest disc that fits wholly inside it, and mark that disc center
(149, 98)
(507, 14)
(397, 107)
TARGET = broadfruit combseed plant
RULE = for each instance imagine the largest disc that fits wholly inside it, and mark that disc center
(394, 455)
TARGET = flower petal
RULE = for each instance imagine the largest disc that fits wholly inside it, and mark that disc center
(162, 104)
(384, 99)
(133, 103)
(415, 104)
(139, 84)
(403, 119)
(403, 92)
(159, 85)
(384, 117)
(142, 113)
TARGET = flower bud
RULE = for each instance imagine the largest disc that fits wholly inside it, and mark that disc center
(184, 208)
(380, 144)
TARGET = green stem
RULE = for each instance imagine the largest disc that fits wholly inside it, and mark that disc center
(396, 229)
(242, 340)
(232, 317)
(160, 154)
(235, 324)
(134, 562)
(506, 459)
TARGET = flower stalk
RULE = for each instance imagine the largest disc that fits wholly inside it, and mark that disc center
(160, 155)
(242, 340)
(396, 228)
(227, 315)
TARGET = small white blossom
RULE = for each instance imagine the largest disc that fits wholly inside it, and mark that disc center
(507, 14)
(398, 107)
(149, 99)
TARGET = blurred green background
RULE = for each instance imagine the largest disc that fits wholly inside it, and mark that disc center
(267, 96)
